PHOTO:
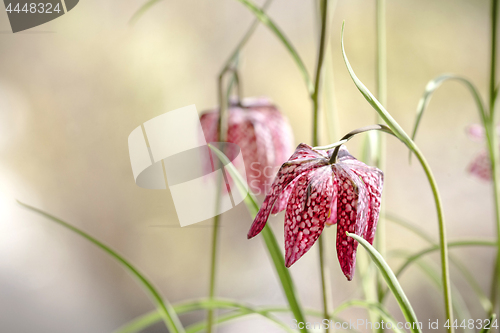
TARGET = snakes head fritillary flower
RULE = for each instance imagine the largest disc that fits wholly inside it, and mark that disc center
(314, 192)
(480, 166)
(261, 131)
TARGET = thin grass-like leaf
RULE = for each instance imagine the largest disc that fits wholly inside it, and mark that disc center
(435, 248)
(487, 328)
(266, 20)
(401, 134)
(142, 322)
(143, 9)
(377, 308)
(392, 282)
(433, 85)
(166, 310)
(459, 304)
(269, 238)
(468, 276)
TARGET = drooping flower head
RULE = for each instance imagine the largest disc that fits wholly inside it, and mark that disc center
(480, 165)
(316, 192)
(261, 131)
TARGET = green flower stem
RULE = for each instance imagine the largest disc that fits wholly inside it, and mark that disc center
(434, 248)
(401, 134)
(468, 276)
(266, 20)
(223, 126)
(381, 89)
(142, 322)
(392, 283)
(492, 142)
(323, 266)
(371, 306)
(269, 238)
(164, 308)
(213, 262)
(317, 78)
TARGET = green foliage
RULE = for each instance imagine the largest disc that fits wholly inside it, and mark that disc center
(166, 310)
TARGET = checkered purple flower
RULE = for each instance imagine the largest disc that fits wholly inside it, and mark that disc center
(314, 192)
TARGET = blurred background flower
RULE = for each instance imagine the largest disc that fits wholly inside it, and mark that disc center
(73, 89)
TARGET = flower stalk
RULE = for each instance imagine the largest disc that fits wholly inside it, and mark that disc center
(403, 136)
(492, 142)
(223, 126)
(381, 89)
(325, 281)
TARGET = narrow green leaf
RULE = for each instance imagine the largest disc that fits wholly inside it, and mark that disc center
(394, 126)
(269, 238)
(487, 328)
(433, 85)
(266, 20)
(468, 276)
(143, 9)
(165, 309)
(401, 134)
(392, 282)
(372, 306)
(201, 326)
(142, 322)
(410, 226)
(436, 248)
(459, 305)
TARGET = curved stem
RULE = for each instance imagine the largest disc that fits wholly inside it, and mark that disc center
(434, 248)
(445, 272)
(493, 35)
(381, 82)
(323, 267)
(403, 136)
(492, 142)
(351, 134)
(319, 66)
(222, 137)
(164, 308)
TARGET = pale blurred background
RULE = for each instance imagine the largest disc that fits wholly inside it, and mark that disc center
(72, 90)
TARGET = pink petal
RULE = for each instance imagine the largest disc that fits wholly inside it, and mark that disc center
(475, 132)
(282, 201)
(278, 125)
(374, 181)
(481, 166)
(332, 219)
(306, 212)
(352, 215)
(303, 160)
(262, 133)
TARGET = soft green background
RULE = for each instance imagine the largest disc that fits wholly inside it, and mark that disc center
(72, 90)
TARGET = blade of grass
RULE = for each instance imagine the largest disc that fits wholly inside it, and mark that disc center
(143, 9)
(469, 277)
(413, 258)
(487, 328)
(392, 282)
(142, 322)
(436, 248)
(431, 88)
(266, 20)
(166, 310)
(377, 308)
(459, 304)
(401, 134)
(269, 239)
